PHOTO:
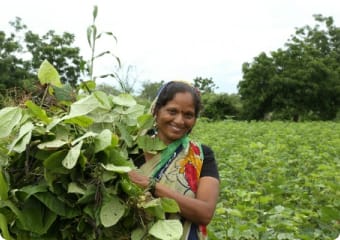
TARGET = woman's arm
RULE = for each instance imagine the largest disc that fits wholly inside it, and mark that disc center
(199, 210)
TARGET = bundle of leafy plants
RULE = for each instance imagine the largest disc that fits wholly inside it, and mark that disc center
(64, 164)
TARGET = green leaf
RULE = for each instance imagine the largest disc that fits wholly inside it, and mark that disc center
(124, 99)
(145, 121)
(138, 234)
(114, 140)
(47, 74)
(23, 139)
(150, 144)
(38, 219)
(103, 116)
(103, 99)
(86, 135)
(72, 156)
(26, 192)
(38, 111)
(9, 118)
(111, 211)
(89, 35)
(83, 107)
(133, 113)
(82, 121)
(53, 123)
(4, 188)
(75, 188)
(52, 145)
(118, 169)
(169, 205)
(167, 230)
(88, 85)
(102, 140)
(95, 12)
(57, 206)
(117, 158)
(64, 93)
(124, 134)
(4, 228)
(14, 209)
(21, 145)
(54, 162)
(154, 208)
(89, 195)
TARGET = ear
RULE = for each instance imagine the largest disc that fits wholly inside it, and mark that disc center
(155, 114)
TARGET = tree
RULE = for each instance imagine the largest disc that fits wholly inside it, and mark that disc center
(57, 49)
(254, 88)
(12, 68)
(220, 106)
(299, 82)
(150, 89)
(205, 85)
(16, 81)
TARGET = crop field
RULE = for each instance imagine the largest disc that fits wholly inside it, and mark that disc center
(279, 180)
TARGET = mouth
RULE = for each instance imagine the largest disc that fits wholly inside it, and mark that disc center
(177, 129)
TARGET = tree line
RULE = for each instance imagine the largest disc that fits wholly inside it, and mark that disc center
(300, 81)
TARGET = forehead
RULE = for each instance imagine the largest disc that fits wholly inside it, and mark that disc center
(183, 100)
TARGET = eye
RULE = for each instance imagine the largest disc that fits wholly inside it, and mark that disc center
(172, 111)
(189, 115)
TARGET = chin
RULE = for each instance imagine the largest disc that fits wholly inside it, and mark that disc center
(176, 136)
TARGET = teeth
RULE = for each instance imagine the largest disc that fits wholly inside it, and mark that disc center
(176, 128)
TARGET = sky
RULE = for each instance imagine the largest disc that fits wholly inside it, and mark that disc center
(177, 39)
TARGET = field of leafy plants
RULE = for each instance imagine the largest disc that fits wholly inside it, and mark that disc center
(279, 180)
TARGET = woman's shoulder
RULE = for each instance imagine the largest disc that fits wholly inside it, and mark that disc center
(209, 167)
(207, 150)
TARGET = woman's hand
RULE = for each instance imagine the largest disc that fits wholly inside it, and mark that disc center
(139, 179)
(199, 210)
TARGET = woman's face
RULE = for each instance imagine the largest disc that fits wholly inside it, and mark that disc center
(176, 118)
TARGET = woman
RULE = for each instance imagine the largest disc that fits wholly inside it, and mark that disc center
(185, 171)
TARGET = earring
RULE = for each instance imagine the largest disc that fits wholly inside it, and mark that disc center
(154, 129)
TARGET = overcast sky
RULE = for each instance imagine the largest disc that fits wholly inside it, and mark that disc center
(176, 39)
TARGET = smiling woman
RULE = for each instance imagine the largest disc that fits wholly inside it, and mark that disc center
(185, 170)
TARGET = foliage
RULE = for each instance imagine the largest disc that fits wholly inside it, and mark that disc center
(57, 49)
(64, 164)
(300, 82)
(220, 106)
(150, 90)
(279, 180)
(205, 85)
(13, 69)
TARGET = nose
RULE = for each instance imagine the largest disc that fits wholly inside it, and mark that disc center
(179, 119)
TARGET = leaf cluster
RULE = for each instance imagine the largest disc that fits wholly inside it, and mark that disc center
(64, 164)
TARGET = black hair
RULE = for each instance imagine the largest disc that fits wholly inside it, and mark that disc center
(168, 91)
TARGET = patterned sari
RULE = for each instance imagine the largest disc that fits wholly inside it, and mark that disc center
(179, 167)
